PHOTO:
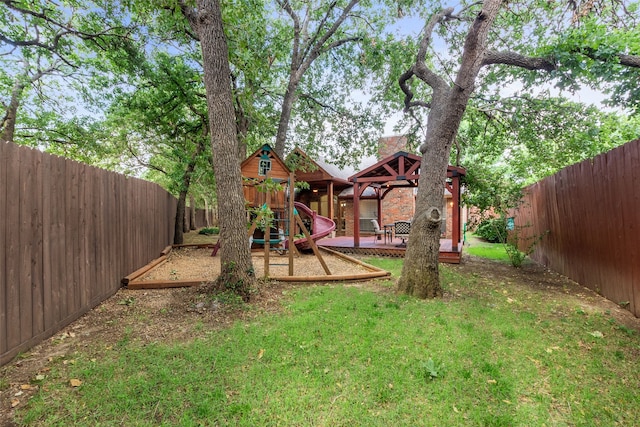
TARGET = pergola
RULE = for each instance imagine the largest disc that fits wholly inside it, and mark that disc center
(400, 170)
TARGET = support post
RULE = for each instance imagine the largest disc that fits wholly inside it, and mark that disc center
(292, 227)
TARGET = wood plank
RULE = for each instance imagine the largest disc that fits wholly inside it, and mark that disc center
(37, 276)
(82, 245)
(96, 235)
(47, 252)
(617, 288)
(630, 221)
(120, 224)
(597, 206)
(69, 225)
(58, 235)
(26, 203)
(4, 224)
(312, 243)
(633, 160)
(112, 272)
(164, 284)
(12, 246)
(142, 270)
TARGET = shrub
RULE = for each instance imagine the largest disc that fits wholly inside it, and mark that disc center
(209, 231)
(493, 230)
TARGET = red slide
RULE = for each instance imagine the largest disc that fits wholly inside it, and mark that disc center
(321, 226)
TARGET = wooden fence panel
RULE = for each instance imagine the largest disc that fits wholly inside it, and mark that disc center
(592, 210)
(12, 248)
(4, 153)
(68, 233)
(48, 200)
(632, 160)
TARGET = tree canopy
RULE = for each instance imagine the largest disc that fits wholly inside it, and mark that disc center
(122, 85)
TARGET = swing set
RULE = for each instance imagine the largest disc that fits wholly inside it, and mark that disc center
(268, 187)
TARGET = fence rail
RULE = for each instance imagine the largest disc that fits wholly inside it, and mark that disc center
(592, 213)
(68, 233)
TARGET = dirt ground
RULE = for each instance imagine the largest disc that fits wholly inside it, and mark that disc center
(183, 314)
(191, 263)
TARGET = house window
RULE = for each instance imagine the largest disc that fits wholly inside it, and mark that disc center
(264, 166)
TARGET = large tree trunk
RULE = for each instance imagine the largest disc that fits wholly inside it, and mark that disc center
(178, 229)
(8, 124)
(180, 223)
(420, 275)
(285, 116)
(192, 212)
(237, 269)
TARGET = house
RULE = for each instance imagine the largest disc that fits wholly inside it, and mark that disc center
(327, 183)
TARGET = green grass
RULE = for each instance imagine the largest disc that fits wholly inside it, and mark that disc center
(481, 248)
(345, 356)
(392, 265)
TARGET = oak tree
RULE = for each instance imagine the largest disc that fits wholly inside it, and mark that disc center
(491, 36)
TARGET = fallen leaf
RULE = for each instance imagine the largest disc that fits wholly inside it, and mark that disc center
(40, 377)
(596, 334)
(492, 381)
(14, 403)
(25, 387)
(74, 382)
(20, 393)
(261, 353)
(456, 410)
(507, 402)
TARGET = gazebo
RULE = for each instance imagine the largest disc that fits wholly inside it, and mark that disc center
(401, 170)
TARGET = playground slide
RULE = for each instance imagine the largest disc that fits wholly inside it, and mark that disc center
(322, 226)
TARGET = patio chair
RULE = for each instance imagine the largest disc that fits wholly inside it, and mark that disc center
(377, 231)
(402, 229)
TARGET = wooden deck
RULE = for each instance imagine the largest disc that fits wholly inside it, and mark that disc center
(369, 246)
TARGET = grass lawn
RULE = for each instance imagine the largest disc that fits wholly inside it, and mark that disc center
(484, 249)
(487, 354)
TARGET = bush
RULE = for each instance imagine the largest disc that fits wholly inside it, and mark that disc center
(493, 230)
(209, 231)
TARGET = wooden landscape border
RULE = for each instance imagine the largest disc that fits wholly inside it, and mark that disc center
(132, 281)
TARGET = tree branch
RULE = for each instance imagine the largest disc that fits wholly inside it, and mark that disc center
(295, 60)
(316, 49)
(338, 43)
(629, 60)
(311, 43)
(408, 93)
(420, 68)
(517, 60)
(307, 97)
(191, 15)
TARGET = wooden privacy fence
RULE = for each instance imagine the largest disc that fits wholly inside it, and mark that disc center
(201, 218)
(68, 233)
(592, 212)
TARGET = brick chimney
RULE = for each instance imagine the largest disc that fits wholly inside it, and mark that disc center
(388, 145)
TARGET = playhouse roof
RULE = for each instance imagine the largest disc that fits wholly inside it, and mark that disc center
(262, 162)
